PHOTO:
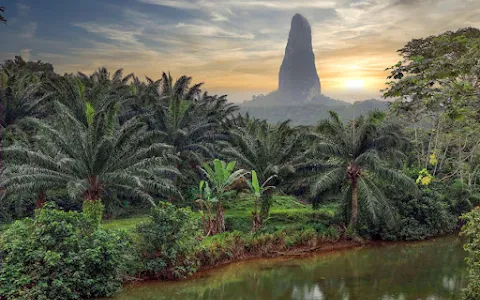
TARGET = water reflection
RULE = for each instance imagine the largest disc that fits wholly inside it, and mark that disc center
(430, 270)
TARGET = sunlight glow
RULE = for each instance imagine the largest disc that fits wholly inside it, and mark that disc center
(354, 84)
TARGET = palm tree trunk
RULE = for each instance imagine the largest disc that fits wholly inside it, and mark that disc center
(92, 203)
(354, 173)
(353, 218)
(41, 199)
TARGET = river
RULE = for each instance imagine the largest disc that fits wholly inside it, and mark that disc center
(429, 270)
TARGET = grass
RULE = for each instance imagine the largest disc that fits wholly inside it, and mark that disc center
(125, 224)
(286, 211)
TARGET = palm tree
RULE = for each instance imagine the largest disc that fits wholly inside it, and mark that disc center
(191, 122)
(220, 178)
(90, 160)
(267, 149)
(21, 97)
(356, 159)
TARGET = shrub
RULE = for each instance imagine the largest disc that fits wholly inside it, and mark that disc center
(167, 242)
(61, 255)
(471, 230)
(429, 215)
(94, 209)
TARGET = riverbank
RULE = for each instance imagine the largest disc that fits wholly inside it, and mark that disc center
(237, 250)
(350, 272)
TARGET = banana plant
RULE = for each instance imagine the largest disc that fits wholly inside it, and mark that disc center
(207, 202)
(258, 192)
(220, 178)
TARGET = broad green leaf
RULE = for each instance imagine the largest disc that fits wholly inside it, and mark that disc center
(255, 184)
(230, 167)
(219, 174)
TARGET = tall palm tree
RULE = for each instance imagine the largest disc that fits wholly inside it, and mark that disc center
(268, 149)
(191, 122)
(355, 158)
(101, 85)
(89, 160)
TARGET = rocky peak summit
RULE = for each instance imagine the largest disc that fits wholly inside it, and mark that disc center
(298, 77)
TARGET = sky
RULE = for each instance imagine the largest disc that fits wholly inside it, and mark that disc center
(234, 46)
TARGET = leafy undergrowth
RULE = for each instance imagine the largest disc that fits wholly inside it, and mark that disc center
(231, 246)
(286, 213)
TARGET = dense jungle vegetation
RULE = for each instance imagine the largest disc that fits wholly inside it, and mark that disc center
(111, 178)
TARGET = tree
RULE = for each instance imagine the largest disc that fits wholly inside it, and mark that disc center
(2, 18)
(437, 91)
(89, 160)
(220, 179)
(21, 97)
(267, 149)
(355, 159)
(191, 122)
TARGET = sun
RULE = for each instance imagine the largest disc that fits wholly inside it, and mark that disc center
(354, 83)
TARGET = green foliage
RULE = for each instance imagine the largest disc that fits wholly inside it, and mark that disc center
(424, 177)
(222, 176)
(356, 160)
(61, 255)
(166, 242)
(90, 112)
(471, 231)
(85, 161)
(93, 209)
(283, 217)
(414, 218)
(229, 246)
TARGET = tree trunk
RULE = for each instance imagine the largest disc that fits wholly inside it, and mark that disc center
(257, 222)
(220, 219)
(354, 172)
(41, 199)
(353, 218)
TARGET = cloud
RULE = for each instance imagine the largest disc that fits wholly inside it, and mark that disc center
(242, 4)
(23, 9)
(236, 46)
(28, 30)
(215, 16)
(112, 32)
(208, 30)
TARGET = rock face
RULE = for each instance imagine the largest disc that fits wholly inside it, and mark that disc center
(298, 78)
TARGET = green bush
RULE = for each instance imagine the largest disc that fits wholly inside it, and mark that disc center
(166, 242)
(431, 214)
(471, 230)
(61, 255)
(229, 246)
(94, 209)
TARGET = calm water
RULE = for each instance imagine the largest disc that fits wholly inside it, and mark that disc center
(427, 270)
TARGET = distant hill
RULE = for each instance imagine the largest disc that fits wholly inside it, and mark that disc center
(310, 113)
